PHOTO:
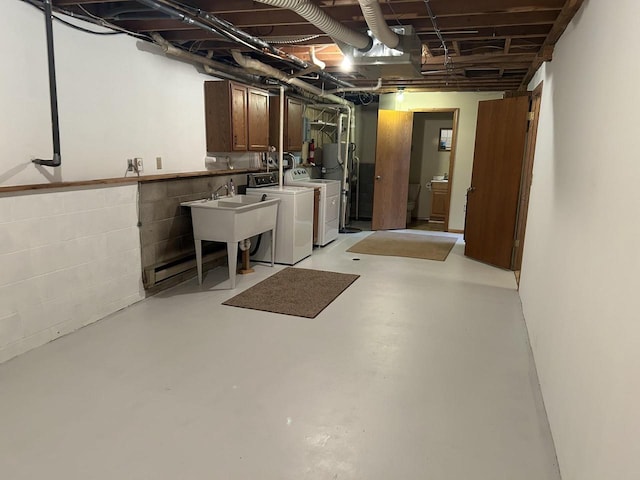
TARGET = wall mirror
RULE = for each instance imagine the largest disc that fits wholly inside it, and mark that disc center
(446, 137)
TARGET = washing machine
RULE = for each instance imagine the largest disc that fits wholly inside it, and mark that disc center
(328, 205)
(294, 224)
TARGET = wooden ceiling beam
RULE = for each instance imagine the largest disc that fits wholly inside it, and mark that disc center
(485, 58)
(400, 9)
(421, 23)
(270, 25)
(507, 45)
(569, 10)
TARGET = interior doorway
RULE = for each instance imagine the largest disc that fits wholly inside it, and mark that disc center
(434, 137)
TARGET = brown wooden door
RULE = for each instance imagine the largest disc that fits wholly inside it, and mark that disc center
(492, 199)
(238, 117)
(258, 119)
(391, 183)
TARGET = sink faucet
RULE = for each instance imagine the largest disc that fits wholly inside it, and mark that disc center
(215, 195)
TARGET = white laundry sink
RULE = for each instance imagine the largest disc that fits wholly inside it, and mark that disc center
(231, 220)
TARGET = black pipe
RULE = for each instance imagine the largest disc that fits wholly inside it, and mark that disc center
(53, 93)
(228, 30)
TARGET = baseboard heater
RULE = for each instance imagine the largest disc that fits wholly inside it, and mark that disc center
(179, 269)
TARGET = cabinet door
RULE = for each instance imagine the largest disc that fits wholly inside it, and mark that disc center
(293, 122)
(238, 117)
(439, 200)
(217, 106)
(258, 119)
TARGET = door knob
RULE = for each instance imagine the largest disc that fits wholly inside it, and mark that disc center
(378, 177)
(471, 189)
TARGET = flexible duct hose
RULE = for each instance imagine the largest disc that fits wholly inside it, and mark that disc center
(377, 24)
(315, 15)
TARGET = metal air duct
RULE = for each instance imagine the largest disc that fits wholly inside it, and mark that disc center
(382, 61)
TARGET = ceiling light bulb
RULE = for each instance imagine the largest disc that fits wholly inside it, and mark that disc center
(347, 64)
(400, 95)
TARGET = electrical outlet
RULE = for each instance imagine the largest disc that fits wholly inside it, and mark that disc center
(130, 167)
(159, 163)
(138, 165)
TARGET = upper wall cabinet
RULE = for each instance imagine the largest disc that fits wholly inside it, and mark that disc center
(236, 117)
(258, 119)
(293, 110)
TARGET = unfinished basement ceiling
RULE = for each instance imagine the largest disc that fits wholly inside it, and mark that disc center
(462, 45)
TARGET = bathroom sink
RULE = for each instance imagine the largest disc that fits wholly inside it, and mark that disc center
(231, 220)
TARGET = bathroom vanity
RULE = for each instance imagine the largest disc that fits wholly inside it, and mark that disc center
(439, 200)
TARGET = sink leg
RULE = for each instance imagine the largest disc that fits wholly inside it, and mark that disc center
(198, 243)
(273, 246)
(232, 253)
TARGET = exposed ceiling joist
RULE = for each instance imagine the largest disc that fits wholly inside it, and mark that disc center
(490, 44)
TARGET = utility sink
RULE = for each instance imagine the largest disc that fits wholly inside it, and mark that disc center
(231, 220)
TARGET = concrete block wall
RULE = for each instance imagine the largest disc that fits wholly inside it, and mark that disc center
(67, 259)
(166, 233)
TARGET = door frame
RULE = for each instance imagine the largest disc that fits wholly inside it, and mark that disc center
(452, 154)
(527, 179)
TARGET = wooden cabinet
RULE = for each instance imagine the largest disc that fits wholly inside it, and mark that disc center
(235, 117)
(293, 110)
(439, 201)
(258, 119)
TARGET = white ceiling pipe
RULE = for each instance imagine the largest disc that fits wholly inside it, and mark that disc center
(315, 60)
(218, 67)
(377, 24)
(281, 141)
(315, 15)
(359, 89)
(256, 66)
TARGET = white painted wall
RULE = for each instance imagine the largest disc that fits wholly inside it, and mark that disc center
(467, 102)
(67, 259)
(579, 284)
(118, 98)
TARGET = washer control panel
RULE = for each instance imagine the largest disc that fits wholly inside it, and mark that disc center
(263, 179)
(297, 175)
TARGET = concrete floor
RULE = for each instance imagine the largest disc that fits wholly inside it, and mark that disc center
(419, 370)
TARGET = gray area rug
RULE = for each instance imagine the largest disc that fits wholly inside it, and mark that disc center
(428, 247)
(294, 291)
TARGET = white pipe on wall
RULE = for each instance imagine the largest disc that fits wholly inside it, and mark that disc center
(281, 141)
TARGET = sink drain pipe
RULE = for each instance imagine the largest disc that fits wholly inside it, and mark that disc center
(53, 93)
